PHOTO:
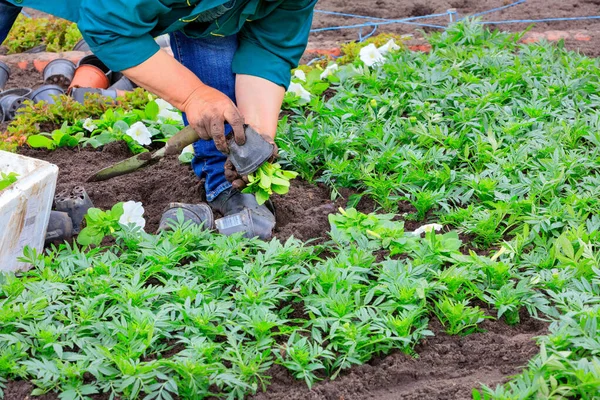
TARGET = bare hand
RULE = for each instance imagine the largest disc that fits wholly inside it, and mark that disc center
(207, 110)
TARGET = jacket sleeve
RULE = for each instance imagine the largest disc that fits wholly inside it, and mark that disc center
(118, 31)
(270, 47)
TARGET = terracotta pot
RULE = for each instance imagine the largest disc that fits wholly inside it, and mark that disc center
(89, 76)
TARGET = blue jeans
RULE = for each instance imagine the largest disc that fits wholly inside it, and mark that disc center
(8, 14)
(210, 59)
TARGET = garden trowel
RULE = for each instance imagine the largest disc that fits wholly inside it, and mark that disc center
(174, 145)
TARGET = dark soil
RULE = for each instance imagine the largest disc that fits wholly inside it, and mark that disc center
(447, 367)
(302, 213)
(394, 9)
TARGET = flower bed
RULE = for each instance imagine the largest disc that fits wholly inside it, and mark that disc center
(483, 152)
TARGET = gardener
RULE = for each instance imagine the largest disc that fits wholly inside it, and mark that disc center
(232, 65)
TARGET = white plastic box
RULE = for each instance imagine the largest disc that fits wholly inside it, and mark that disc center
(24, 207)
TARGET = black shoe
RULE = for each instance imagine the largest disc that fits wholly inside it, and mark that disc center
(199, 214)
(262, 217)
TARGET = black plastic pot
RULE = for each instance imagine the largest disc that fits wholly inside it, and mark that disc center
(45, 93)
(123, 84)
(115, 77)
(11, 101)
(75, 203)
(95, 61)
(60, 228)
(81, 46)
(59, 72)
(37, 49)
(4, 74)
(25, 92)
(78, 94)
(247, 158)
(1, 115)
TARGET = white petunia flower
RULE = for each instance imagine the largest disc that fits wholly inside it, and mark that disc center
(300, 75)
(167, 111)
(389, 47)
(133, 214)
(371, 55)
(427, 228)
(140, 133)
(299, 91)
(89, 126)
(329, 70)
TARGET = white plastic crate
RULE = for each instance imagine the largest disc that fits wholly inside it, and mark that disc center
(24, 207)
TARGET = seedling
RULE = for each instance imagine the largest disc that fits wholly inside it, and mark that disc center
(457, 316)
(58, 138)
(268, 179)
(99, 224)
(7, 179)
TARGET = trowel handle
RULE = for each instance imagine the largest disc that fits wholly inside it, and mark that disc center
(180, 140)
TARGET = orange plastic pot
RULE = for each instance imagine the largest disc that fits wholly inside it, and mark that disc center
(88, 76)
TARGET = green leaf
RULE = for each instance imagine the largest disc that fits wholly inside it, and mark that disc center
(90, 235)
(353, 200)
(265, 180)
(280, 181)
(99, 140)
(8, 179)
(120, 127)
(152, 110)
(262, 196)
(116, 211)
(94, 214)
(289, 174)
(281, 189)
(169, 130)
(40, 141)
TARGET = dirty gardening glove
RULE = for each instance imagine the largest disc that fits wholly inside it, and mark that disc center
(238, 181)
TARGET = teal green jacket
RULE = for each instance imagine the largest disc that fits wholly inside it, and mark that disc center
(273, 33)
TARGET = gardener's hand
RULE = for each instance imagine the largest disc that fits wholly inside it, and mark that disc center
(238, 181)
(207, 110)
